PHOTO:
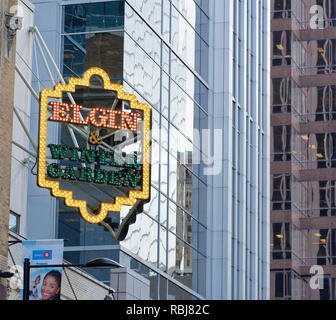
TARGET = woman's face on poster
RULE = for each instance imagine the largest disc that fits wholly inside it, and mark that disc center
(49, 288)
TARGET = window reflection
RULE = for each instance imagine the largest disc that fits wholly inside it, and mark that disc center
(326, 60)
(329, 10)
(281, 198)
(313, 199)
(86, 17)
(82, 52)
(281, 247)
(281, 143)
(313, 56)
(177, 293)
(142, 35)
(323, 247)
(281, 48)
(151, 10)
(326, 150)
(135, 265)
(142, 239)
(166, 235)
(187, 42)
(14, 222)
(141, 72)
(281, 95)
(282, 9)
(326, 103)
(80, 233)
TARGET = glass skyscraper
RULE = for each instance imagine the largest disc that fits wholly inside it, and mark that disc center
(203, 68)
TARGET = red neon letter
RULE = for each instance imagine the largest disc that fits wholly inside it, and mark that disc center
(59, 113)
(76, 115)
(127, 120)
(103, 117)
(112, 123)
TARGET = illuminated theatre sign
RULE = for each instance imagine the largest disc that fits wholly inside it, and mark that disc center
(103, 160)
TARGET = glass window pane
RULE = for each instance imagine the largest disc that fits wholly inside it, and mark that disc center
(14, 222)
(82, 52)
(93, 17)
(177, 293)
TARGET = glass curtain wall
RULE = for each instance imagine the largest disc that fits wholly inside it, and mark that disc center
(304, 159)
(159, 51)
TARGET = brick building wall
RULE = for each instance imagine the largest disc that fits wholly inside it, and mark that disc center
(7, 64)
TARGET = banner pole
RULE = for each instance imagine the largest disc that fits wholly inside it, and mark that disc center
(26, 277)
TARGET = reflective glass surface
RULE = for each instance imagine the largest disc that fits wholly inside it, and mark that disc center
(85, 51)
(86, 17)
(169, 236)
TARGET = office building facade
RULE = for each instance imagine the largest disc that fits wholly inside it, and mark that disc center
(302, 169)
(203, 67)
(238, 216)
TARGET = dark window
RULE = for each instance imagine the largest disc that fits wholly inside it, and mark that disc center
(100, 16)
(177, 293)
(283, 287)
(279, 285)
(282, 9)
(327, 291)
(282, 143)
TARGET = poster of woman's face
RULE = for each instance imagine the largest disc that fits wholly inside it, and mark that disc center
(45, 284)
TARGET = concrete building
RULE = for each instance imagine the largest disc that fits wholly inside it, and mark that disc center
(203, 68)
(7, 63)
(302, 162)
